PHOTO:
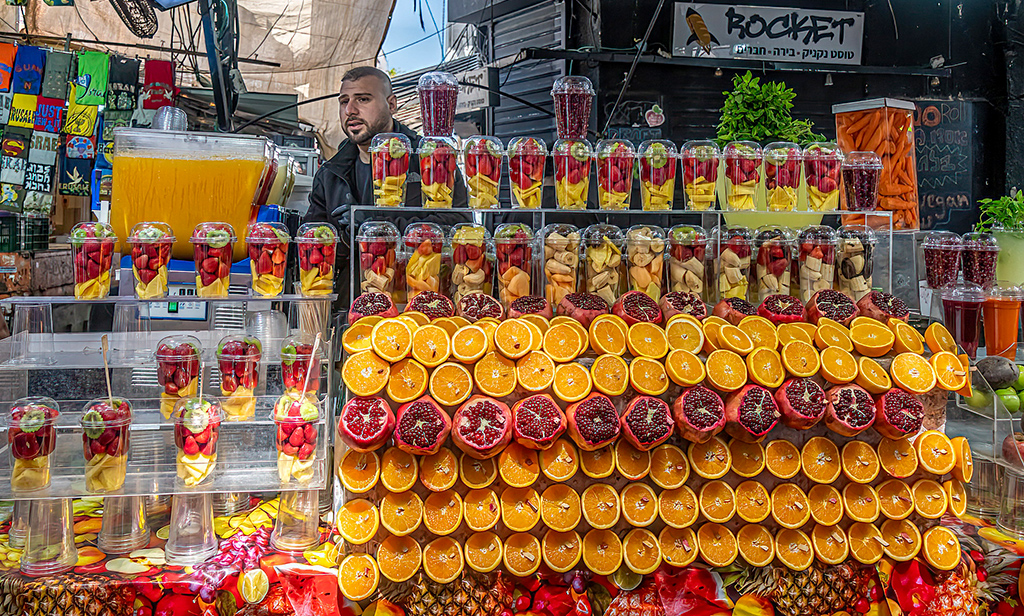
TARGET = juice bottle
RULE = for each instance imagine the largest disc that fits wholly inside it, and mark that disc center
(961, 307)
(1002, 319)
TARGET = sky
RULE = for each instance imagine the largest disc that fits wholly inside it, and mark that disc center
(405, 28)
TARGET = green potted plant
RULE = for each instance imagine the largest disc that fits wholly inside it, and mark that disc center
(1004, 218)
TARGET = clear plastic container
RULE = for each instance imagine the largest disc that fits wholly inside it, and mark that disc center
(389, 157)
(1002, 318)
(561, 261)
(179, 366)
(513, 248)
(424, 243)
(439, 96)
(238, 360)
(483, 171)
(700, 160)
(941, 257)
(297, 418)
(31, 437)
(774, 260)
(106, 424)
(816, 255)
(823, 173)
(212, 246)
(687, 252)
(979, 256)
(855, 260)
(962, 312)
(657, 174)
(438, 166)
(150, 243)
(296, 361)
(733, 245)
(317, 244)
(196, 431)
(378, 245)
(615, 159)
(742, 174)
(604, 268)
(472, 260)
(50, 542)
(573, 96)
(526, 157)
(645, 253)
(862, 172)
(572, 173)
(267, 243)
(782, 174)
(92, 248)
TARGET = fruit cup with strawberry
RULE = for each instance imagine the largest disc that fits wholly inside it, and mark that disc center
(105, 427)
(296, 360)
(178, 370)
(700, 161)
(645, 252)
(317, 243)
(238, 359)
(212, 243)
(31, 436)
(389, 158)
(782, 171)
(424, 242)
(296, 417)
(378, 247)
(196, 430)
(774, 260)
(615, 159)
(816, 255)
(573, 96)
(439, 96)
(657, 174)
(604, 267)
(267, 245)
(483, 171)
(513, 247)
(92, 247)
(438, 166)
(472, 260)
(572, 158)
(823, 164)
(151, 243)
(742, 174)
(732, 267)
(526, 156)
(687, 249)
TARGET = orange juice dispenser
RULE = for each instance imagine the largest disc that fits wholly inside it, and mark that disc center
(187, 178)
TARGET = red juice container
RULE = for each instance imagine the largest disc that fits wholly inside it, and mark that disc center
(439, 95)
(823, 173)
(941, 258)
(105, 428)
(573, 96)
(150, 243)
(981, 250)
(317, 243)
(31, 437)
(267, 245)
(572, 173)
(862, 172)
(526, 156)
(700, 160)
(657, 174)
(92, 247)
(962, 311)
(389, 160)
(483, 171)
(1002, 319)
(615, 159)
(212, 244)
(438, 166)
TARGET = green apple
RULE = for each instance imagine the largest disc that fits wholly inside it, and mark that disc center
(980, 399)
(1008, 396)
(1019, 384)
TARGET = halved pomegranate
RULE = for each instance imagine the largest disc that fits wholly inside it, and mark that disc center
(802, 402)
(370, 304)
(530, 304)
(432, 304)
(482, 427)
(883, 306)
(475, 306)
(850, 410)
(593, 422)
(782, 309)
(366, 423)
(537, 422)
(647, 422)
(678, 302)
(422, 427)
(898, 414)
(584, 307)
(699, 413)
(637, 307)
(733, 309)
(832, 304)
(751, 413)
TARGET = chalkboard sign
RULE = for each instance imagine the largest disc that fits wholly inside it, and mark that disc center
(944, 135)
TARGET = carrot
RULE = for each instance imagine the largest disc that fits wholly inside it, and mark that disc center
(859, 124)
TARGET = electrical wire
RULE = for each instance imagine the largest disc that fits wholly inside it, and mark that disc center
(632, 67)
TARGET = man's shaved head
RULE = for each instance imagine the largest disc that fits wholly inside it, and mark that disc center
(361, 72)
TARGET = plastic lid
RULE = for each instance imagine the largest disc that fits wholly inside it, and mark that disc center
(770, 233)
(980, 241)
(321, 232)
(658, 148)
(397, 144)
(513, 231)
(151, 232)
(732, 233)
(526, 145)
(240, 347)
(187, 412)
(378, 230)
(743, 149)
(827, 150)
(101, 414)
(267, 233)
(214, 234)
(946, 240)
(688, 235)
(579, 148)
(166, 349)
(47, 405)
(482, 144)
(437, 79)
(565, 230)
(595, 235)
(428, 145)
(864, 233)
(469, 232)
(862, 160)
(818, 234)
(1002, 289)
(92, 231)
(644, 234)
(782, 151)
(963, 291)
(418, 232)
(572, 84)
(702, 149)
(615, 148)
(300, 347)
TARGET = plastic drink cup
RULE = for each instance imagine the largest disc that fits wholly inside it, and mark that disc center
(267, 245)
(979, 257)
(472, 260)
(105, 429)
(296, 417)
(687, 250)
(657, 174)
(238, 361)
(296, 360)
(733, 246)
(1002, 319)
(572, 173)
(561, 260)
(92, 247)
(212, 245)
(823, 173)
(700, 160)
(645, 252)
(317, 243)
(439, 95)
(389, 160)
(573, 96)
(774, 261)
(615, 159)
(196, 430)
(483, 171)
(526, 157)
(378, 245)
(855, 260)
(513, 248)
(816, 254)
(742, 173)
(31, 437)
(178, 370)
(604, 267)
(941, 258)
(150, 244)
(962, 312)
(782, 173)
(862, 172)
(424, 243)
(438, 166)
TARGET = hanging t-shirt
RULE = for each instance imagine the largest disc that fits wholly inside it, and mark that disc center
(7, 53)
(75, 177)
(159, 84)
(23, 111)
(49, 114)
(56, 74)
(81, 119)
(123, 83)
(28, 69)
(93, 70)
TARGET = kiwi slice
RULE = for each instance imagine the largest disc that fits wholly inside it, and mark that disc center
(217, 238)
(324, 234)
(256, 341)
(32, 420)
(426, 149)
(289, 354)
(396, 149)
(579, 151)
(492, 149)
(196, 418)
(92, 423)
(657, 155)
(308, 411)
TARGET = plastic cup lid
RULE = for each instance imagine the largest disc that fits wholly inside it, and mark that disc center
(687, 235)
(184, 405)
(92, 231)
(865, 234)
(323, 233)
(818, 234)
(91, 417)
(1002, 289)
(173, 342)
(215, 234)
(572, 84)
(41, 403)
(743, 149)
(526, 145)
(862, 160)
(267, 233)
(946, 240)
(963, 291)
(151, 232)
(437, 79)
(980, 241)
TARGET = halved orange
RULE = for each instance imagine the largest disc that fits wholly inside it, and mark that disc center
(684, 368)
(717, 501)
(782, 459)
(710, 460)
(790, 507)
(442, 512)
(358, 521)
(830, 335)
(536, 334)
(866, 543)
(935, 452)
(949, 373)
(827, 321)
(448, 324)
(678, 546)
(761, 331)
(717, 545)
(794, 549)
(930, 499)
(826, 504)
(560, 461)
(838, 366)
(872, 339)
(710, 329)
(902, 540)
(537, 321)
(789, 332)
(938, 339)
(908, 339)
(399, 558)
(450, 384)
(398, 470)
(563, 343)
(964, 467)
(560, 507)
(678, 508)
(599, 463)
(417, 317)
(518, 466)
(648, 376)
(756, 545)
(765, 367)
(639, 504)
(522, 555)
(800, 359)
(359, 470)
(370, 320)
(361, 576)
(439, 471)
(734, 339)
(872, 377)
(407, 381)
(391, 339)
(365, 374)
(726, 370)
(913, 373)
(610, 375)
(753, 503)
(562, 318)
(607, 334)
(481, 510)
(860, 462)
(561, 550)
(748, 459)
(600, 504)
(860, 502)
(895, 499)
(489, 327)
(669, 468)
(535, 372)
(647, 340)
(898, 457)
(469, 344)
(632, 463)
(572, 382)
(495, 375)
(641, 551)
(684, 315)
(941, 548)
(431, 345)
(356, 337)
(602, 551)
(460, 321)
(820, 460)
(714, 318)
(513, 338)
(483, 552)
(830, 544)
(520, 509)
(401, 513)
(685, 335)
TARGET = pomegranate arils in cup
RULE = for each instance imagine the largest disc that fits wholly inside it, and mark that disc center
(942, 251)
(530, 304)
(584, 307)
(699, 413)
(733, 309)
(593, 422)
(751, 413)
(979, 258)
(482, 427)
(372, 303)
(432, 304)
(636, 307)
(899, 414)
(573, 96)
(421, 427)
(883, 306)
(647, 422)
(832, 304)
(850, 410)
(677, 302)
(475, 306)
(439, 94)
(802, 403)
(537, 422)
(782, 309)
(366, 423)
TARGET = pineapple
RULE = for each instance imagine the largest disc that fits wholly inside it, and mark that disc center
(10, 595)
(963, 590)
(473, 594)
(817, 591)
(954, 596)
(77, 595)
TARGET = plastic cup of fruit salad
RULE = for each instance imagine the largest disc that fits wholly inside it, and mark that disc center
(196, 430)
(855, 260)
(645, 252)
(572, 173)
(733, 245)
(178, 370)
(483, 171)
(296, 360)
(742, 174)
(389, 163)
(782, 172)
(105, 428)
(513, 246)
(472, 260)
(377, 242)
(773, 261)
(317, 242)
(31, 436)
(238, 360)
(615, 159)
(150, 243)
(267, 245)
(687, 250)
(438, 167)
(526, 156)
(212, 245)
(822, 172)
(603, 264)
(657, 174)
(816, 254)
(92, 248)
(297, 418)
(424, 243)
(700, 160)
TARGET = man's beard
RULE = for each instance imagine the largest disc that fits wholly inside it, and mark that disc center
(368, 133)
